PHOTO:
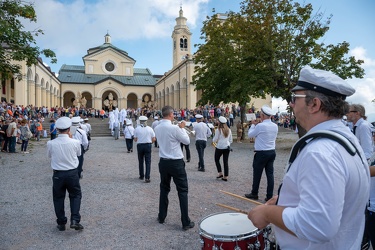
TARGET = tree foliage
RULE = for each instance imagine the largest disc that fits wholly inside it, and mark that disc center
(16, 44)
(261, 50)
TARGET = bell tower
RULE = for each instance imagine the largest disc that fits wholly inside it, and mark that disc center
(181, 38)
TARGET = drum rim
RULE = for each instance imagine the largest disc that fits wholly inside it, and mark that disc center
(226, 238)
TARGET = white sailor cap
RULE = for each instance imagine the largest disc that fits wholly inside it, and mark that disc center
(86, 119)
(267, 110)
(222, 119)
(81, 120)
(75, 120)
(143, 118)
(63, 123)
(156, 118)
(324, 82)
(198, 116)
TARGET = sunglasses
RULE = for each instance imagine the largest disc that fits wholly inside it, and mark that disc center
(293, 97)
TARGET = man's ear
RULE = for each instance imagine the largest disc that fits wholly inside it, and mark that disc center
(315, 105)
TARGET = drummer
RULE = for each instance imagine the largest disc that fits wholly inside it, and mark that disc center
(325, 190)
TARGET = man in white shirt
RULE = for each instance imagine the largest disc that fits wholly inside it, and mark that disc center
(63, 152)
(363, 131)
(172, 165)
(80, 135)
(265, 134)
(144, 136)
(326, 187)
(202, 132)
(12, 135)
(153, 126)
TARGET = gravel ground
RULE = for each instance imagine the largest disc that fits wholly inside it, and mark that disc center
(118, 210)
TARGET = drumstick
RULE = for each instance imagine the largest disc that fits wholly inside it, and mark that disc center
(240, 197)
(231, 208)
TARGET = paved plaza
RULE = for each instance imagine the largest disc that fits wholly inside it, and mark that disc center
(118, 210)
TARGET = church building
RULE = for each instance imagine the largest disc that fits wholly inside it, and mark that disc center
(109, 78)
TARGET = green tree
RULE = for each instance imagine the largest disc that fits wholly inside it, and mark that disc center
(233, 64)
(16, 44)
(261, 50)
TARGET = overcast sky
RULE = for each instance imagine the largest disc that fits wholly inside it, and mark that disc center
(143, 28)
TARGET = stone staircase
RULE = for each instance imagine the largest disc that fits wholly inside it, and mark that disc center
(99, 127)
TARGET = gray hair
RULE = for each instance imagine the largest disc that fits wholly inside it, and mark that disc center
(166, 111)
(333, 106)
(360, 109)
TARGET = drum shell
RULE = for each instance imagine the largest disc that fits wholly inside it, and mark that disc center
(229, 223)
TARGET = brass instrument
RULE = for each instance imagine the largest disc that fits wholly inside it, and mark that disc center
(188, 131)
(214, 144)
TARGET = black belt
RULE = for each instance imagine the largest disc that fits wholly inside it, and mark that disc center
(169, 159)
(56, 171)
(144, 143)
(264, 150)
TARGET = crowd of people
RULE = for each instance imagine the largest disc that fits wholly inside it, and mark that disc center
(335, 157)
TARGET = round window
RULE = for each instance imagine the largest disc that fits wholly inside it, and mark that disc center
(109, 66)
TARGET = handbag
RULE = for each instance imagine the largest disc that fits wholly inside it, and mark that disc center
(29, 134)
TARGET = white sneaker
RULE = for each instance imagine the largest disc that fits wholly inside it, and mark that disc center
(26, 152)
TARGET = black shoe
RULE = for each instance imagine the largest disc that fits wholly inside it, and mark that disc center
(160, 221)
(61, 227)
(147, 181)
(141, 178)
(251, 196)
(224, 179)
(201, 169)
(220, 176)
(188, 160)
(81, 176)
(191, 225)
(75, 225)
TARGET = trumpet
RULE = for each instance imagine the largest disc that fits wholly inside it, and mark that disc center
(214, 144)
(188, 131)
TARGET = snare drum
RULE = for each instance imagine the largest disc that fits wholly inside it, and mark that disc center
(232, 231)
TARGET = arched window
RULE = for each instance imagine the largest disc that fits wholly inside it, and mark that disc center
(183, 43)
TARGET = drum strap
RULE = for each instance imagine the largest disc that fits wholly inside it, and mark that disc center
(333, 135)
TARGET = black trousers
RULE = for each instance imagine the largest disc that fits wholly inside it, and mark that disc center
(66, 181)
(200, 146)
(129, 143)
(144, 155)
(263, 160)
(187, 150)
(370, 227)
(225, 154)
(80, 162)
(175, 169)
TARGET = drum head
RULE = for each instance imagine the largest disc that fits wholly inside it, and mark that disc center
(227, 225)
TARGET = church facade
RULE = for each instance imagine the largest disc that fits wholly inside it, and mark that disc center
(109, 79)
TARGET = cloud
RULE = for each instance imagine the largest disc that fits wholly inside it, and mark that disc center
(71, 27)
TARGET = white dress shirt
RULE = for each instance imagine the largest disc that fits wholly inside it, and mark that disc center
(265, 134)
(128, 131)
(363, 132)
(81, 136)
(324, 192)
(222, 142)
(202, 131)
(63, 152)
(169, 137)
(144, 134)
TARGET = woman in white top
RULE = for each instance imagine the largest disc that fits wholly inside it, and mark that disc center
(128, 134)
(223, 139)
